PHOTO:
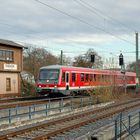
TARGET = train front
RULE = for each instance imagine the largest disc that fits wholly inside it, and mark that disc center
(48, 81)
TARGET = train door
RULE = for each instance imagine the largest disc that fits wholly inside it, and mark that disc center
(67, 80)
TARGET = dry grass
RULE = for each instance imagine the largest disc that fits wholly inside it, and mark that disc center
(105, 94)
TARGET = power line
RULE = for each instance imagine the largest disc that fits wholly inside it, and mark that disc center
(102, 14)
(82, 21)
(36, 45)
(71, 42)
(94, 11)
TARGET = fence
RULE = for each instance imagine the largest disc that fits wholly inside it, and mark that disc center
(51, 108)
(127, 125)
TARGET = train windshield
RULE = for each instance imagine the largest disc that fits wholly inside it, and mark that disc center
(49, 74)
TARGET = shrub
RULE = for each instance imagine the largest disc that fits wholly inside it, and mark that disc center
(28, 89)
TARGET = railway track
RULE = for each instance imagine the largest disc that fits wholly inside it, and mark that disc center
(31, 101)
(48, 129)
(17, 99)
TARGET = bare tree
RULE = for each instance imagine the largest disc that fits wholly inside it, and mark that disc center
(85, 60)
(34, 58)
(132, 67)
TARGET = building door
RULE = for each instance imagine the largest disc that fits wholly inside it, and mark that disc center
(10, 83)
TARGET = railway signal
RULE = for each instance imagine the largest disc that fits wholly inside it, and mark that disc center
(121, 63)
(92, 58)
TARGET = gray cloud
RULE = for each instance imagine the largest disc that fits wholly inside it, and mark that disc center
(31, 21)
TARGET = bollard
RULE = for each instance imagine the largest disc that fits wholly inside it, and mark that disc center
(62, 102)
(116, 129)
(46, 109)
(34, 108)
(139, 119)
(120, 125)
(49, 104)
(61, 105)
(89, 101)
(30, 112)
(10, 116)
(129, 124)
(16, 111)
(81, 102)
(71, 103)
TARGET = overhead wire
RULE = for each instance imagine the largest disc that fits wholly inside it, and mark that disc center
(82, 21)
(102, 14)
(29, 35)
(37, 36)
(71, 42)
(37, 45)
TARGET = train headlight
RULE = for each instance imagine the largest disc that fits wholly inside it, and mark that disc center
(39, 86)
(55, 86)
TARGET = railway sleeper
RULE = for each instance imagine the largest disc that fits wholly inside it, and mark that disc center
(23, 136)
(104, 115)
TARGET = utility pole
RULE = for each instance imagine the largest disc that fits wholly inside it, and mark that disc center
(137, 67)
(61, 58)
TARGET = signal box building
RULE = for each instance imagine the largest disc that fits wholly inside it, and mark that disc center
(10, 68)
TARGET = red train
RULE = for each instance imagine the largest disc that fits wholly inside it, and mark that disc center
(68, 79)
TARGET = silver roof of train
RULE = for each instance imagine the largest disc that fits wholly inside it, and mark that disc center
(54, 67)
(63, 66)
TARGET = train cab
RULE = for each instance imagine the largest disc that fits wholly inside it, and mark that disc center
(48, 80)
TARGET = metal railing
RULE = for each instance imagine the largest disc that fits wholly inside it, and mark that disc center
(51, 108)
(127, 125)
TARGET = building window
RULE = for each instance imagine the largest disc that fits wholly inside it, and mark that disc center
(8, 84)
(6, 55)
(73, 77)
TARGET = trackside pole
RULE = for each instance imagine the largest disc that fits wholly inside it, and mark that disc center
(137, 69)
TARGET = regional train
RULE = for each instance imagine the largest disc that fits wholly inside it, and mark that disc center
(66, 80)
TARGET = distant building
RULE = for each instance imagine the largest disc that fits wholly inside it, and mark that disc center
(10, 68)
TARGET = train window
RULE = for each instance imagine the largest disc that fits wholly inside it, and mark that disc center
(67, 77)
(49, 74)
(106, 78)
(63, 76)
(86, 77)
(91, 77)
(109, 78)
(73, 77)
(98, 77)
(94, 77)
(103, 78)
(82, 76)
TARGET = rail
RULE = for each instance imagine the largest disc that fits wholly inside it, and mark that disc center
(50, 108)
(48, 129)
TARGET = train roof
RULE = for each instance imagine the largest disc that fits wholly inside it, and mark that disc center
(71, 68)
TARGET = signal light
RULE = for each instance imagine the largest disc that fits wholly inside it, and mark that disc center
(121, 60)
(92, 58)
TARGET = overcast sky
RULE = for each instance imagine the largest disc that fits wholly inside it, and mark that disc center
(74, 26)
